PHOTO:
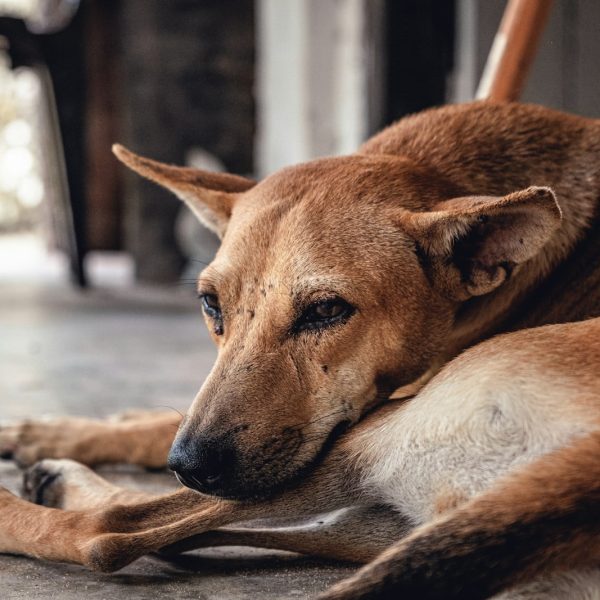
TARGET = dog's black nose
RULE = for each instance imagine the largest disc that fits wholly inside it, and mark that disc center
(204, 464)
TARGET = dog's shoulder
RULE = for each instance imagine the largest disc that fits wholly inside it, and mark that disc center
(497, 147)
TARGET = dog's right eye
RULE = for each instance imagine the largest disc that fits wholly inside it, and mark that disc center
(324, 313)
(211, 308)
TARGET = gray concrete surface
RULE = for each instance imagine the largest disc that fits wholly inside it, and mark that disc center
(98, 353)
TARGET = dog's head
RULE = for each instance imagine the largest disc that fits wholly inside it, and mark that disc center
(332, 287)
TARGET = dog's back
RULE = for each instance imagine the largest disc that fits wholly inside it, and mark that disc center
(496, 148)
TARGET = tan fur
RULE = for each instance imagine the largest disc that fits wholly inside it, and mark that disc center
(445, 229)
(141, 439)
(447, 500)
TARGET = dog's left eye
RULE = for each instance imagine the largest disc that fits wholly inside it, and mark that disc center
(323, 313)
(212, 309)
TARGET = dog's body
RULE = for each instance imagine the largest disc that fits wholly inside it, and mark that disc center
(339, 281)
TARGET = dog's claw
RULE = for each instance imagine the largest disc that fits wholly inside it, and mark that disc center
(40, 484)
(66, 484)
(7, 453)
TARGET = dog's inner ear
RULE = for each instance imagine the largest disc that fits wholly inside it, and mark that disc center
(210, 196)
(472, 244)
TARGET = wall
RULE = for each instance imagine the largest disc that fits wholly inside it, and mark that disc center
(566, 70)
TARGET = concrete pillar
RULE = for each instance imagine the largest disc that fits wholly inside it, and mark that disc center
(316, 93)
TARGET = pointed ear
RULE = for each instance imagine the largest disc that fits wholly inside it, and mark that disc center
(474, 243)
(210, 196)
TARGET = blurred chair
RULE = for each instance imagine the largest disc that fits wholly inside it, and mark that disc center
(62, 102)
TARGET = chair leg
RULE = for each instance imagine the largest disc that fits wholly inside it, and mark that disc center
(513, 50)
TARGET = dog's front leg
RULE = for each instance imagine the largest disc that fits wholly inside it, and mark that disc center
(141, 438)
(106, 539)
(109, 538)
(356, 534)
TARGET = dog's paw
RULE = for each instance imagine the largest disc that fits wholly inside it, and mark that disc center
(65, 484)
(43, 483)
(29, 441)
(12, 438)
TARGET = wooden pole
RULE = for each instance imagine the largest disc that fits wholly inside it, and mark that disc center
(514, 49)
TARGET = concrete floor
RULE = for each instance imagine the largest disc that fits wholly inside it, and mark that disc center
(98, 353)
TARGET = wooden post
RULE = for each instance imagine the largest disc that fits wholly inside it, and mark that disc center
(103, 198)
(514, 49)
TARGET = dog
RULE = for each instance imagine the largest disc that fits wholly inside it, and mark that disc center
(344, 283)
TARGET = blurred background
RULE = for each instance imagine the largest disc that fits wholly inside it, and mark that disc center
(243, 85)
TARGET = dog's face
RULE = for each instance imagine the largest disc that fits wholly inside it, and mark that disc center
(318, 311)
(332, 287)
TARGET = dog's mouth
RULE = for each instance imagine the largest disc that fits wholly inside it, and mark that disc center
(191, 482)
(252, 488)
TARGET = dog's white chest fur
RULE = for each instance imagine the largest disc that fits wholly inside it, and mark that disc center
(461, 434)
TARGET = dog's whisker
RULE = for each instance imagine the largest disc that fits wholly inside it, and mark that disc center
(171, 408)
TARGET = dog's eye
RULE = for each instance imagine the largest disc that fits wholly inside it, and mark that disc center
(324, 313)
(211, 308)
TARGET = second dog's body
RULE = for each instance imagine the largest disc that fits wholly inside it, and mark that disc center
(337, 282)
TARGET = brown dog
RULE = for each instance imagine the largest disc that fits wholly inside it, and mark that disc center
(339, 281)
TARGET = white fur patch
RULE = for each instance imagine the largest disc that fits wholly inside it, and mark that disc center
(468, 427)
